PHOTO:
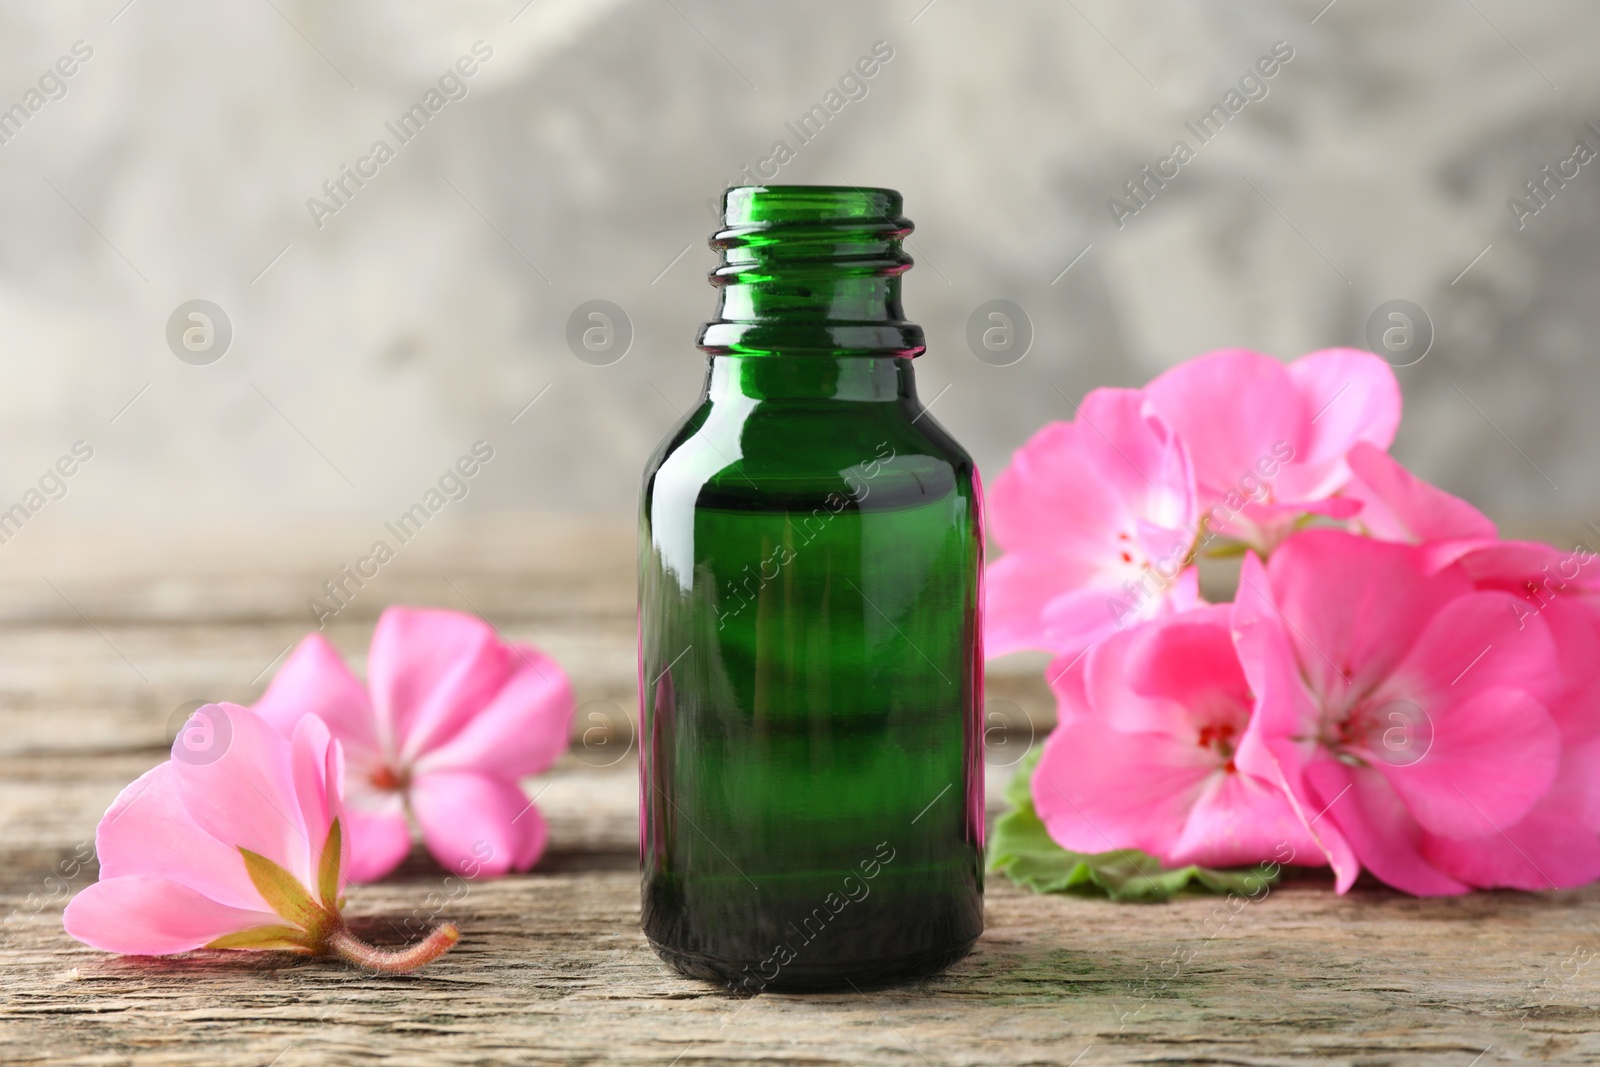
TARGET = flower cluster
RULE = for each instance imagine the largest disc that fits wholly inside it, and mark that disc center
(1392, 688)
(248, 835)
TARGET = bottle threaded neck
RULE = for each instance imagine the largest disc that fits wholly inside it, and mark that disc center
(811, 269)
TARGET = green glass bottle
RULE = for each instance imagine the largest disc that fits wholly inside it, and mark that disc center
(810, 658)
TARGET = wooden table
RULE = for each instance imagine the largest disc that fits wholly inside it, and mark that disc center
(104, 640)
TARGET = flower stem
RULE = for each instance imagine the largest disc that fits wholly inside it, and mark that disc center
(342, 943)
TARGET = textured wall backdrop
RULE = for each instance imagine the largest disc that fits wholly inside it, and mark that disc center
(376, 336)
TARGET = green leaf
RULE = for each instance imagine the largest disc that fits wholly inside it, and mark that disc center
(281, 937)
(283, 892)
(1023, 850)
(328, 869)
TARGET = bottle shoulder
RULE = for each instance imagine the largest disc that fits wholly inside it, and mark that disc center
(744, 452)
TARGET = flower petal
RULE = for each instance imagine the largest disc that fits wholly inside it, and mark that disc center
(1348, 396)
(1353, 606)
(377, 836)
(1473, 643)
(1202, 400)
(1396, 505)
(476, 824)
(1017, 588)
(1279, 742)
(1492, 757)
(1575, 629)
(531, 839)
(1145, 702)
(1097, 789)
(429, 671)
(1083, 617)
(148, 831)
(1060, 495)
(1239, 819)
(1378, 827)
(1552, 587)
(1554, 846)
(319, 795)
(246, 797)
(1170, 678)
(315, 681)
(143, 915)
(1136, 452)
(1264, 437)
(521, 731)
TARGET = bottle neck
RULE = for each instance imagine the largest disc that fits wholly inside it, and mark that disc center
(811, 271)
(859, 379)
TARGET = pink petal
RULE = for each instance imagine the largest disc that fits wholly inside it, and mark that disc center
(1471, 644)
(1551, 588)
(1016, 590)
(1353, 607)
(1398, 506)
(148, 831)
(144, 915)
(429, 671)
(247, 796)
(1230, 407)
(476, 824)
(1065, 490)
(1554, 846)
(1575, 629)
(533, 839)
(1172, 677)
(1097, 789)
(1136, 452)
(1279, 743)
(1493, 747)
(377, 837)
(1378, 827)
(1348, 397)
(315, 681)
(1066, 677)
(1492, 757)
(334, 774)
(521, 731)
(319, 797)
(1082, 617)
(1239, 819)
(1519, 567)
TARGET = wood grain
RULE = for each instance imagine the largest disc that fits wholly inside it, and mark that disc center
(552, 967)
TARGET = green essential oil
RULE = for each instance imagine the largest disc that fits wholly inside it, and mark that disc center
(811, 684)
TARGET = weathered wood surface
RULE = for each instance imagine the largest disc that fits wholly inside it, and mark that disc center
(102, 645)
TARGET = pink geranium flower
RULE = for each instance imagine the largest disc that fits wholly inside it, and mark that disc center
(1268, 441)
(1407, 713)
(1144, 755)
(236, 843)
(450, 719)
(1097, 519)
(1557, 843)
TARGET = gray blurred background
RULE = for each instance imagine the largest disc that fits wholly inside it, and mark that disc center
(373, 345)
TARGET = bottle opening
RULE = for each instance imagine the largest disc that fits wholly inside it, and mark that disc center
(754, 205)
